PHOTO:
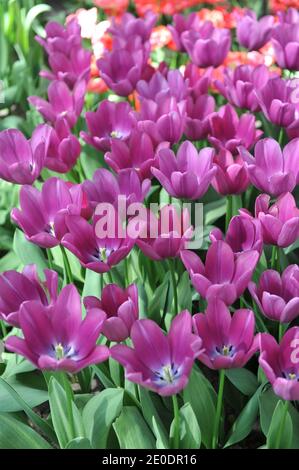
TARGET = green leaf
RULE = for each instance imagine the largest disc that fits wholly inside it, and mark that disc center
(92, 284)
(30, 387)
(214, 210)
(245, 421)
(58, 406)
(79, 443)
(132, 431)
(161, 438)
(16, 435)
(149, 403)
(278, 438)
(99, 414)
(243, 380)
(29, 253)
(190, 435)
(184, 292)
(202, 398)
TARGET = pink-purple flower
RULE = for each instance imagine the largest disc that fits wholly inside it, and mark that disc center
(231, 176)
(64, 148)
(253, 33)
(285, 40)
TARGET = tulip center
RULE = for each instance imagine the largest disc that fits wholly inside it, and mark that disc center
(59, 351)
(226, 350)
(115, 134)
(291, 376)
(167, 374)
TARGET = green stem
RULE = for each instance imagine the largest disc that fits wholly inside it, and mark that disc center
(67, 267)
(280, 136)
(109, 274)
(174, 285)
(176, 414)
(280, 332)
(282, 424)
(229, 210)
(50, 258)
(275, 258)
(218, 409)
(3, 329)
(69, 403)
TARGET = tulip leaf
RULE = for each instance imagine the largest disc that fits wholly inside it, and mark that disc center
(79, 443)
(243, 380)
(29, 387)
(29, 253)
(153, 414)
(99, 414)
(15, 434)
(280, 432)
(184, 293)
(161, 438)
(245, 421)
(214, 210)
(202, 398)
(60, 419)
(190, 435)
(132, 431)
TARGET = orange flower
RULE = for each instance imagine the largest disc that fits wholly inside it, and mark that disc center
(220, 17)
(281, 5)
(112, 7)
(168, 7)
(160, 37)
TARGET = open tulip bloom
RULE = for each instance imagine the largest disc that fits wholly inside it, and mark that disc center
(149, 226)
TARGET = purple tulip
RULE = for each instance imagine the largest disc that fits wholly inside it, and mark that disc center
(239, 85)
(281, 364)
(105, 187)
(199, 80)
(121, 69)
(243, 234)
(158, 362)
(290, 16)
(285, 40)
(17, 288)
(165, 236)
(42, 214)
(64, 149)
(278, 296)
(271, 170)
(231, 176)
(138, 153)
(223, 275)
(199, 111)
(63, 103)
(228, 131)
(252, 33)
(111, 121)
(163, 120)
(207, 47)
(275, 99)
(121, 308)
(56, 337)
(22, 161)
(94, 253)
(59, 38)
(182, 23)
(188, 175)
(159, 86)
(228, 341)
(280, 222)
(129, 26)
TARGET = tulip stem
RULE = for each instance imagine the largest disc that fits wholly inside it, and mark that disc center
(275, 264)
(229, 210)
(50, 258)
(3, 328)
(218, 409)
(110, 278)
(280, 136)
(176, 414)
(282, 424)
(67, 267)
(174, 286)
(69, 403)
(280, 332)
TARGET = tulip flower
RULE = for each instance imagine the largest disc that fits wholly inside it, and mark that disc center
(253, 33)
(198, 116)
(275, 99)
(56, 337)
(243, 234)
(239, 85)
(130, 26)
(285, 40)
(207, 47)
(199, 80)
(277, 296)
(17, 288)
(165, 236)
(280, 222)
(121, 309)
(228, 341)
(158, 362)
(111, 121)
(42, 214)
(231, 176)
(64, 149)
(280, 363)
(223, 275)
(59, 38)
(94, 250)
(290, 16)
(182, 23)
(63, 103)
(105, 187)
(138, 153)
(271, 170)
(188, 175)
(173, 84)
(22, 161)
(228, 131)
